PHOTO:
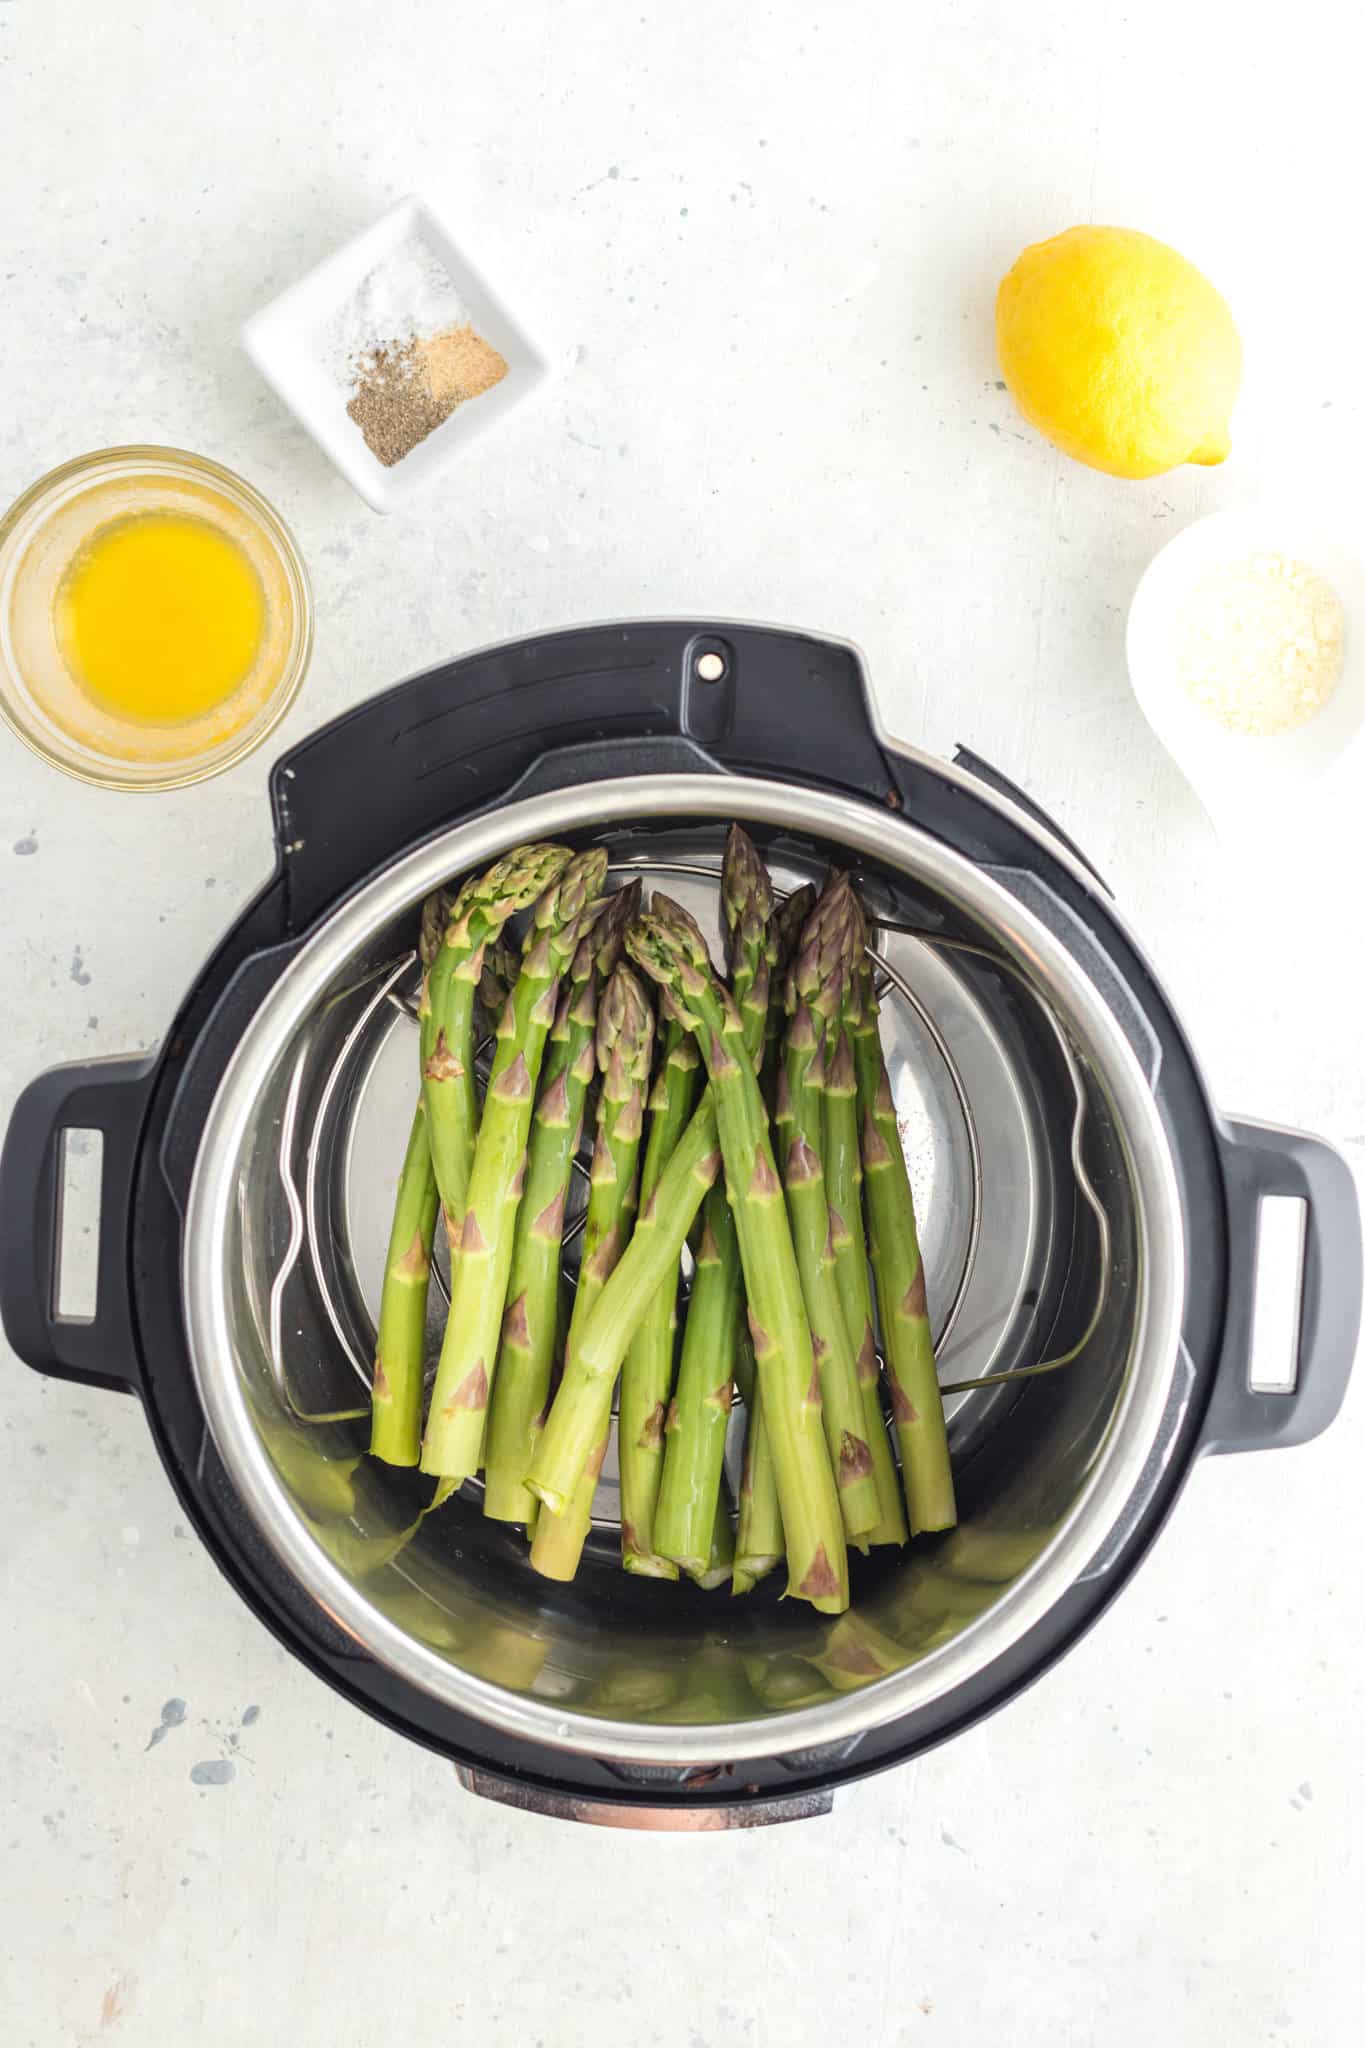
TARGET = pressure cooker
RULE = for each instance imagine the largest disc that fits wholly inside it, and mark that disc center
(1090, 1231)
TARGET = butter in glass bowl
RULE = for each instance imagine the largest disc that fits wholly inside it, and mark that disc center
(155, 618)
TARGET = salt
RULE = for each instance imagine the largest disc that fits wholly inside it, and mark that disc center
(407, 297)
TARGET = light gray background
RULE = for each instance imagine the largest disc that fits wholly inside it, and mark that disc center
(762, 244)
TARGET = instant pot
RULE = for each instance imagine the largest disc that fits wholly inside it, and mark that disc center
(1090, 1228)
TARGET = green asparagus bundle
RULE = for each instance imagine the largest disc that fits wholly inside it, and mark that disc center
(647, 1370)
(446, 1009)
(671, 949)
(625, 1046)
(469, 1354)
(818, 1466)
(814, 989)
(916, 1404)
(522, 1384)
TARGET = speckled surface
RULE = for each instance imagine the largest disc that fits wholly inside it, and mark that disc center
(762, 244)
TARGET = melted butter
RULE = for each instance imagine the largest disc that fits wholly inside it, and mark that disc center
(160, 617)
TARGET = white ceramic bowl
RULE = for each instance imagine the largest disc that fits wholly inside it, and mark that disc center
(1244, 781)
(287, 343)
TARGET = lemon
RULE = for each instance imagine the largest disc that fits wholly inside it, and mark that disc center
(1119, 350)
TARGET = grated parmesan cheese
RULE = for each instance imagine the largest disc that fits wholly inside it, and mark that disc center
(1260, 643)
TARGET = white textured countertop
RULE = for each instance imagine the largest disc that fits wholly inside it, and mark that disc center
(763, 244)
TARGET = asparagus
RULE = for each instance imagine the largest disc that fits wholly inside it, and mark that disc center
(671, 949)
(789, 921)
(647, 1369)
(581, 1409)
(469, 1354)
(758, 1537)
(396, 1394)
(557, 1546)
(532, 1314)
(698, 1419)
(625, 1046)
(497, 979)
(716, 1567)
(400, 1346)
(746, 895)
(522, 1384)
(699, 1413)
(814, 983)
(843, 1193)
(446, 1009)
(916, 1403)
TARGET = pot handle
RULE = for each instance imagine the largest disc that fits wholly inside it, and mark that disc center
(108, 1097)
(1260, 1163)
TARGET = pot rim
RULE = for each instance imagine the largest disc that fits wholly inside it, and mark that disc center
(1116, 1470)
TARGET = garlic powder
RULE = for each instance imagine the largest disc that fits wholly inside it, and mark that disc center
(1260, 643)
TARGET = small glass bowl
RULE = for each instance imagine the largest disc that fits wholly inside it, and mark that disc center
(40, 536)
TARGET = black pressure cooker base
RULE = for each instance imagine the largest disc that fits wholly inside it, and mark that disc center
(573, 708)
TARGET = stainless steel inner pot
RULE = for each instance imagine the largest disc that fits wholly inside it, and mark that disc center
(1051, 1225)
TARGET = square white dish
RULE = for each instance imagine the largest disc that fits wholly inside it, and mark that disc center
(287, 341)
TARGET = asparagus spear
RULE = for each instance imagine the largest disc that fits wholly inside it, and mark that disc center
(789, 921)
(581, 1410)
(396, 1394)
(699, 1414)
(916, 1404)
(625, 1046)
(813, 990)
(459, 1401)
(400, 1347)
(446, 1009)
(497, 979)
(557, 1545)
(529, 1324)
(758, 1536)
(698, 1420)
(671, 949)
(844, 1194)
(718, 1564)
(647, 1370)
(746, 895)
(532, 1314)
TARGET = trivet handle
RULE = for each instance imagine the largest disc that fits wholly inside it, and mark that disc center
(108, 1097)
(1262, 1162)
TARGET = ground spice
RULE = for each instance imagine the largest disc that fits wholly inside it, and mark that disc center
(1260, 644)
(405, 390)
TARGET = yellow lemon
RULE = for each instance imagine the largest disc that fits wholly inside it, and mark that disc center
(1120, 351)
